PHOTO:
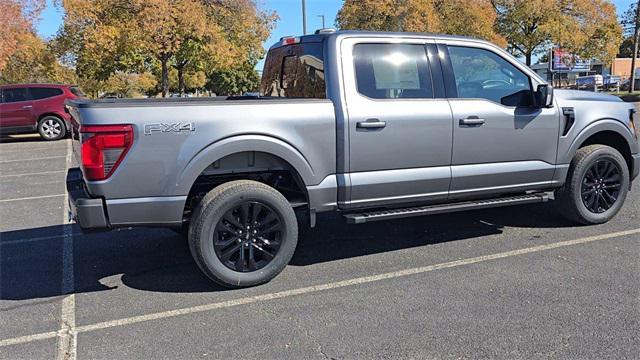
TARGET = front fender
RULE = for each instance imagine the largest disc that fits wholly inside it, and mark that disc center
(565, 155)
(242, 143)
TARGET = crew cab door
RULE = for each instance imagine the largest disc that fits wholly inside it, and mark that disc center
(16, 108)
(502, 143)
(399, 124)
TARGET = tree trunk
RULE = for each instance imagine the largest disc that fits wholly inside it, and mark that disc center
(528, 57)
(632, 81)
(165, 76)
(181, 80)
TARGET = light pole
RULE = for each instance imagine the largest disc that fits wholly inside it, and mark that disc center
(636, 23)
(304, 17)
(322, 17)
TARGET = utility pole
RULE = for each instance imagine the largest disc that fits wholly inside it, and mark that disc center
(304, 17)
(322, 17)
(636, 22)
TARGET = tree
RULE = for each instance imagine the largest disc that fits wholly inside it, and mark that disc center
(234, 81)
(34, 62)
(17, 18)
(586, 27)
(101, 37)
(170, 27)
(129, 84)
(461, 17)
(134, 36)
(625, 50)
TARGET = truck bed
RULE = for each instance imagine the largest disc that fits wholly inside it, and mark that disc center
(163, 159)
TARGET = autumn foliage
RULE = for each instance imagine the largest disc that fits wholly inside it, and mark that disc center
(16, 17)
(461, 17)
(156, 46)
(526, 27)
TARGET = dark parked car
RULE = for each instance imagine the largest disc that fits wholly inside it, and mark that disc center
(36, 107)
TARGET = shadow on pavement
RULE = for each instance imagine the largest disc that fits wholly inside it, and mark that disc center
(159, 260)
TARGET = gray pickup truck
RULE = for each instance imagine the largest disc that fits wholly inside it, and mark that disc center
(372, 125)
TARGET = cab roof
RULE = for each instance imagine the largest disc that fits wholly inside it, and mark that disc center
(320, 36)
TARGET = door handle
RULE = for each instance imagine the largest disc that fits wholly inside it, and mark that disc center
(27, 107)
(371, 124)
(472, 121)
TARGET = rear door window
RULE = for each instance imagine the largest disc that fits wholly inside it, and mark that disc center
(38, 93)
(392, 71)
(15, 95)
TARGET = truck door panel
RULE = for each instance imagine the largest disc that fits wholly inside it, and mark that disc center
(400, 135)
(501, 142)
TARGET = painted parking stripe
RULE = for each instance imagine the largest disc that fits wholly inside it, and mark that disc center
(33, 239)
(32, 198)
(34, 173)
(33, 159)
(67, 341)
(318, 288)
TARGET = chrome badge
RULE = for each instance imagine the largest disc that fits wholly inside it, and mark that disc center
(180, 128)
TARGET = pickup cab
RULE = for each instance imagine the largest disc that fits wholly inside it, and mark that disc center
(372, 125)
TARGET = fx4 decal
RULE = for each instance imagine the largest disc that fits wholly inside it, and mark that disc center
(187, 128)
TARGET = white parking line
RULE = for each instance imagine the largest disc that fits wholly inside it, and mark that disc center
(34, 174)
(28, 240)
(30, 159)
(67, 336)
(34, 159)
(317, 288)
(31, 198)
(31, 149)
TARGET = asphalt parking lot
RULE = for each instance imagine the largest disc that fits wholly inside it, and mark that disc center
(516, 282)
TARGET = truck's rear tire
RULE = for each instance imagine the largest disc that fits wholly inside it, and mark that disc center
(243, 233)
(596, 187)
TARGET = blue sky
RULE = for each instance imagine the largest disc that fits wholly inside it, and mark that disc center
(290, 12)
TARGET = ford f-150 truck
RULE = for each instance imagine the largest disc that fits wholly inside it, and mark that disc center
(373, 125)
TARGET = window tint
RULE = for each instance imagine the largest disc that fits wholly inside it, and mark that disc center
(392, 71)
(38, 93)
(482, 74)
(15, 95)
(294, 71)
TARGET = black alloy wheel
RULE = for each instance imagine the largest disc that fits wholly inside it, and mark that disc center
(248, 236)
(601, 186)
(596, 185)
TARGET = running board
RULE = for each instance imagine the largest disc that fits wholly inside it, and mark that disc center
(446, 208)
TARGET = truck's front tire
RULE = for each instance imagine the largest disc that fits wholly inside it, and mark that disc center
(243, 233)
(596, 187)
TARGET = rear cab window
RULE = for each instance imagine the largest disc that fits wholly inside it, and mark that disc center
(295, 71)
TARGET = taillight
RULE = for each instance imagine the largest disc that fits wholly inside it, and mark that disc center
(103, 148)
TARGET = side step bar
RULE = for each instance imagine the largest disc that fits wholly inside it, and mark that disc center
(446, 208)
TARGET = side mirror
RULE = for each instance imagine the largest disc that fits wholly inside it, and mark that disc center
(544, 96)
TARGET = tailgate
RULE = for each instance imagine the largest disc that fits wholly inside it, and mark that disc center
(75, 131)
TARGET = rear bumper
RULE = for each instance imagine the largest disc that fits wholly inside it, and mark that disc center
(88, 212)
(93, 213)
